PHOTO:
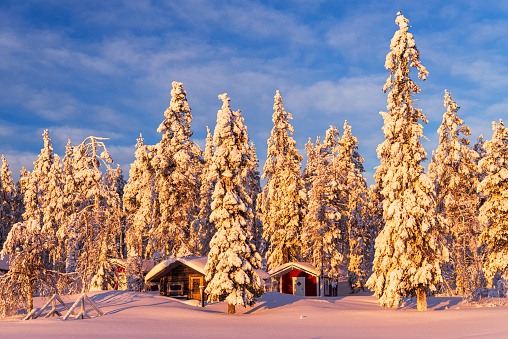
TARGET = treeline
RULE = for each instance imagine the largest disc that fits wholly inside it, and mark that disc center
(410, 234)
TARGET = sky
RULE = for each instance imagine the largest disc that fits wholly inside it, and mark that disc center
(105, 68)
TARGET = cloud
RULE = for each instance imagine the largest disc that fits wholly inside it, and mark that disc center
(17, 160)
(487, 74)
(352, 97)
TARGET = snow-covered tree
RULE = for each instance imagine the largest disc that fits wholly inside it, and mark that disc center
(253, 186)
(90, 232)
(454, 172)
(202, 225)
(19, 206)
(8, 196)
(347, 166)
(409, 248)
(494, 211)
(283, 199)
(177, 163)
(38, 182)
(321, 234)
(138, 201)
(233, 257)
(30, 273)
(310, 167)
(360, 233)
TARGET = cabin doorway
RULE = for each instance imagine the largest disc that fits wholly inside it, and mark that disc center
(299, 286)
(195, 282)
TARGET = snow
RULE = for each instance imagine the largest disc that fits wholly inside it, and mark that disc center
(284, 268)
(131, 314)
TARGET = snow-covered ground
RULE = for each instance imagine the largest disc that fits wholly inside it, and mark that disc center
(144, 315)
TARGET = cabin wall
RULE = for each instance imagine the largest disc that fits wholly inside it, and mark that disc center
(310, 283)
(177, 282)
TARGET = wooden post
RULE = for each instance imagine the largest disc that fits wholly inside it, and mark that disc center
(202, 295)
(421, 298)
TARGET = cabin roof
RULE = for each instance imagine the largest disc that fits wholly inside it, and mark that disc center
(196, 263)
(161, 269)
(290, 266)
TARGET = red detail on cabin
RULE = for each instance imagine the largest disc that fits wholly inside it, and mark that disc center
(310, 283)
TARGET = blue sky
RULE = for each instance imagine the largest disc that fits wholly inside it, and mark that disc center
(104, 68)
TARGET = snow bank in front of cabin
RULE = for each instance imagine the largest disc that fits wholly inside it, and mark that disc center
(131, 314)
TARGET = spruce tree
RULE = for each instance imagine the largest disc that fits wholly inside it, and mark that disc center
(283, 199)
(202, 225)
(409, 248)
(253, 185)
(38, 182)
(139, 203)
(30, 274)
(454, 172)
(8, 196)
(177, 164)
(233, 257)
(494, 211)
(321, 233)
(91, 231)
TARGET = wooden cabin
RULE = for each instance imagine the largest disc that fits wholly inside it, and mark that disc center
(296, 278)
(182, 277)
(179, 277)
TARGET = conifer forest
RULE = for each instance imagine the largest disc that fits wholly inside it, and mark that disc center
(417, 231)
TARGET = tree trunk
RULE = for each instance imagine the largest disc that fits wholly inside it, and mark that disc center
(231, 309)
(421, 298)
(30, 299)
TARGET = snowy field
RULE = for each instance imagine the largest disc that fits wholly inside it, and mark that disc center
(144, 315)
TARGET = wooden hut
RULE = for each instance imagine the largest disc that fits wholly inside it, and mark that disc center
(297, 278)
(182, 277)
(179, 277)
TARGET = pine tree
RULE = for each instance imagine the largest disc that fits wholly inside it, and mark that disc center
(232, 257)
(454, 173)
(30, 273)
(494, 211)
(283, 199)
(321, 232)
(310, 168)
(409, 248)
(202, 225)
(90, 233)
(347, 166)
(253, 187)
(38, 182)
(177, 163)
(66, 234)
(360, 234)
(8, 199)
(139, 203)
(19, 206)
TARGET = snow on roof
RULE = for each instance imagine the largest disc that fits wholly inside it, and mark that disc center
(4, 262)
(290, 266)
(196, 263)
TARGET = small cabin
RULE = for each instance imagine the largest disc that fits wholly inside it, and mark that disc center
(179, 277)
(296, 278)
(182, 277)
